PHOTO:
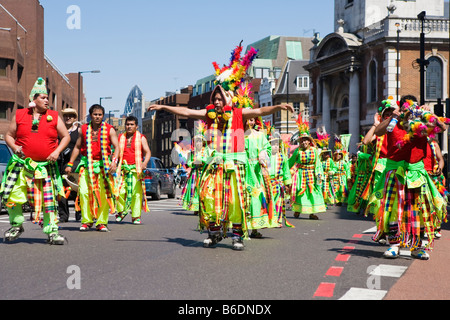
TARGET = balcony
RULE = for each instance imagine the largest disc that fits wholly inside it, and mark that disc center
(410, 29)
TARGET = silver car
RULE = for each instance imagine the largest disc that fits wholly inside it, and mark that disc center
(5, 155)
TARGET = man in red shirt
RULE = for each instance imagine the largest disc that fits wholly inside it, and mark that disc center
(409, 199)
(32, 174)
(133, 159)
(96, 170)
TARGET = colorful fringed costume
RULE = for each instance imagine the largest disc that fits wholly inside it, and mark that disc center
(198, 158)
(280, 176)
(130, 182)
(342, 173)
(34, 180)
(258, 182)
(307, 180)
(307, 176)
(329, 167)
(96, 188)
(431, 163)
(364, 169)
(408, 198)
(224, 199)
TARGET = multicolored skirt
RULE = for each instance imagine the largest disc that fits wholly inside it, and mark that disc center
(409, 202)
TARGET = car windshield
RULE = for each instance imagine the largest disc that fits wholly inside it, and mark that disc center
(5, 154)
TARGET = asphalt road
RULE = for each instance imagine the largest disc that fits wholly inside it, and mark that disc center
(164, 259)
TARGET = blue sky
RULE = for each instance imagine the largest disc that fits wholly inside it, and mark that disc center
(165, 45)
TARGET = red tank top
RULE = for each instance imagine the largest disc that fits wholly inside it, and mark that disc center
(411, 152)
(129, 154)
(237, 126)
(39, 144)
(429, 159)
(96, 143)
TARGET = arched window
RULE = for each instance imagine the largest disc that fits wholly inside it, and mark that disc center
(434, 79)
(372, 82)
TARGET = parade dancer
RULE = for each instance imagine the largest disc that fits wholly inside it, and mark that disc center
(342, 173)
(197, 160)
(385, 111)
(258, 152)
(363, 171)
(408, 198)
(329, 168)
(280, 177)
(96, 189)
(434, 165)
(134, 156)
(32, 173)
(70, 120)
(307, 176)
(224, 199)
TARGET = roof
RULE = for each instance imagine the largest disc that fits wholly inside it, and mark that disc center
(295, 69)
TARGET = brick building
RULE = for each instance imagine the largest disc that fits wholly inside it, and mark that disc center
(22, 61)
(353, 69)
(167, 128)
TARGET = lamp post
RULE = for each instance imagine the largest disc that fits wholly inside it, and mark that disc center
(79, 87)
(422, 62)
(398, 59)
(109, 115)
(104, 98)
(287, 97)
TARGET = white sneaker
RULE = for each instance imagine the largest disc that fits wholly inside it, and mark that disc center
(391, 253)
(438, 234)
(238, 245)
(420, 254)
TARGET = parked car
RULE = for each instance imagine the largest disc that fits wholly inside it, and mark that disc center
(159, 180)
(5, 155)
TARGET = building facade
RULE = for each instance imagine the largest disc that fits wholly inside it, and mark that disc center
(373, 55)
(22, 61)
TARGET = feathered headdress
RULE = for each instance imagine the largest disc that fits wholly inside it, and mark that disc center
(323, 140)
(242, 99)
(229, 79)
(303, 130)
(303, 127)
(230, 76)
(419, 122)
(338, 147)
(200, 129)
(389, 103)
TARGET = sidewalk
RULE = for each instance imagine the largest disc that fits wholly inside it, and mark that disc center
(426, 280)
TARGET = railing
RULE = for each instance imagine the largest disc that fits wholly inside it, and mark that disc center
(409, 27)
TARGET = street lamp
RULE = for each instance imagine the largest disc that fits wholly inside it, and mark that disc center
(109, 115)
(398, 57)
(423, 63)
(79, 87)
(104, 98)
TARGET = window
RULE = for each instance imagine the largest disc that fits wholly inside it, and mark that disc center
(3, 67)
(434, 79)
(372, 82)
(302, 82)
(4, 106)
(297, 107)
(294, 50)
(261, 73)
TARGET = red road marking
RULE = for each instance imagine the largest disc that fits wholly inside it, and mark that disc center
(325, 290)
(343, 257)
(334, 271)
